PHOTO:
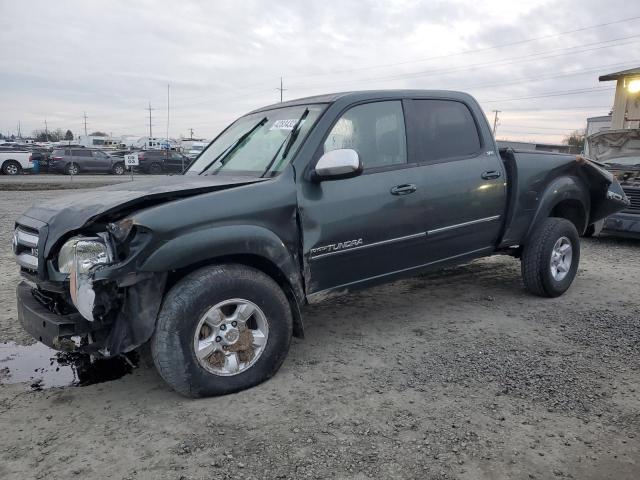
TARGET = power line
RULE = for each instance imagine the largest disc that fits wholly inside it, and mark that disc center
(454, 54)
(558, 93)
(476, 50)
(541, 55)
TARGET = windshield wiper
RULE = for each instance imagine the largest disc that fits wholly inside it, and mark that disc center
(229, 150)
(289, 140)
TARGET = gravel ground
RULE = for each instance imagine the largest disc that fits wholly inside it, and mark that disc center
(457, 375)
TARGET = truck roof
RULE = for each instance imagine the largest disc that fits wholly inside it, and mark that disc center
(361, 95)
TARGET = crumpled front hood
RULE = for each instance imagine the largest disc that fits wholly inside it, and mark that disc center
(71, 212)
(611, 144)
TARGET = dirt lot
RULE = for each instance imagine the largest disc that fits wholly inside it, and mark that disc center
(459, 375)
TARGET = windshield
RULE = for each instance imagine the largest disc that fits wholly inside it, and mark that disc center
(624, 161)
(264, 140)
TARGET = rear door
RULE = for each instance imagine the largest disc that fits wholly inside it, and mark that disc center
(463, 183)
(101, 161)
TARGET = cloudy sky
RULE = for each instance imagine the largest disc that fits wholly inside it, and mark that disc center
(536, 61)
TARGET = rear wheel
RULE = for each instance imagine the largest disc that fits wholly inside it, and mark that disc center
(550, 258)
(221, 329)
(118, 169)
(155, 168)
(11, 167)
(72, 169)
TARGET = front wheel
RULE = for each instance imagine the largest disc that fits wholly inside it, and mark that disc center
(550, 258)
(221, 329)
(118, 169)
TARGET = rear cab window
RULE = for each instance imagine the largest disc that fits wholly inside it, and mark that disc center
(444, 130)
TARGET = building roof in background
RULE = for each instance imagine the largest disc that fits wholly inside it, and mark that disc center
(617, 75)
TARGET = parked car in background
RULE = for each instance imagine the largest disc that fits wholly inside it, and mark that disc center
(196, 149)
(161, 161)
(73, 161)
(14, 161)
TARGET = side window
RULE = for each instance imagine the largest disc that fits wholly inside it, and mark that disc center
(445, 129)
(374, 130)
(81, 153)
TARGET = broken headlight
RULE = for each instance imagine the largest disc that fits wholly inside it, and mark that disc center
(82, 253)
(78, 257)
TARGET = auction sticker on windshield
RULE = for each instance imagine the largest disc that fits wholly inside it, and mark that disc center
(285, 124)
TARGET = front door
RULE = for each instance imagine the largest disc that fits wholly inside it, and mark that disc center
(371, 225)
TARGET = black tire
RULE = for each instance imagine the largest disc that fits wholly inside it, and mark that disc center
(155, 168)
(11, 167)
(536, 257)
(172, 344)
(72, 169)
(118, 169)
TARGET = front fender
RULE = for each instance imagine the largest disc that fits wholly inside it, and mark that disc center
(210, 243)
(563, 188)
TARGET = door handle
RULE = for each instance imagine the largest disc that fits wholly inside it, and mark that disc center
(491, 174)
(403, 189)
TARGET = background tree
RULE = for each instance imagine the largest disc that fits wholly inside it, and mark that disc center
(68, 135)
(575, 140)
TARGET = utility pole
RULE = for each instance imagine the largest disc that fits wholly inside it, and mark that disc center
(46, 130)
(281, 89)
(19, 132)
(191, 134)
(150, 132)
(495, 121)
(85, 124)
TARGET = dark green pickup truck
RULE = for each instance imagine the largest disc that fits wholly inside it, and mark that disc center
(294, 204)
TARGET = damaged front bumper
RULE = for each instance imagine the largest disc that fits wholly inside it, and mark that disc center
(129, 320)
(61, 332)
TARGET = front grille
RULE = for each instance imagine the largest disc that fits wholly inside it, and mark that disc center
(633, 194)
(25, 248)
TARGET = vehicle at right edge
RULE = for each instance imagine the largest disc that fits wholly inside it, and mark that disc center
(619, 152)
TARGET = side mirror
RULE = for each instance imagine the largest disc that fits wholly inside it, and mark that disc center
(336, 164)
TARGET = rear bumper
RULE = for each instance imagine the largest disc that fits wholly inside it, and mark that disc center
(623, 224)
(55, 331)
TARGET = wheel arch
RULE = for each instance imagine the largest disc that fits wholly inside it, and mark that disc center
(565, 197)
(247, 245)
